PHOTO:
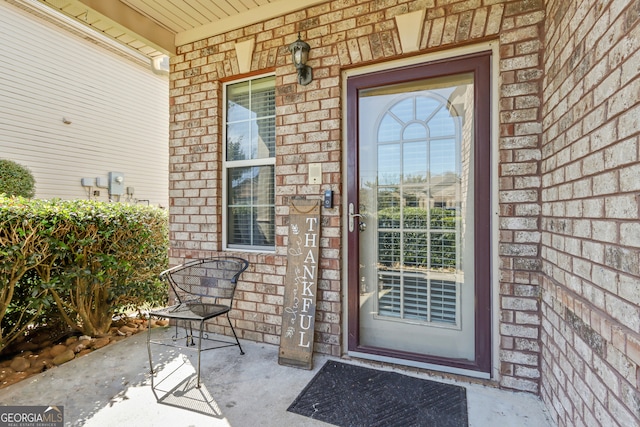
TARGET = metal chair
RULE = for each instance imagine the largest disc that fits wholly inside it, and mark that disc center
(204, 289)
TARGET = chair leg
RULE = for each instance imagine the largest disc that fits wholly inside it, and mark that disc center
(199, 350)
(188, 331)
(176, 335)
(234, 334)
(149, 345)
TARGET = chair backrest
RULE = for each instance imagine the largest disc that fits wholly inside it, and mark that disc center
(206, 278)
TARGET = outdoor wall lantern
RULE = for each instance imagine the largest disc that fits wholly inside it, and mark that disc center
(300, 53)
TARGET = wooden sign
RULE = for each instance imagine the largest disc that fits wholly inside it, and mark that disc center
(298, 317)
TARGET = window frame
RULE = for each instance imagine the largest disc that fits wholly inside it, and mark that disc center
(233, 164)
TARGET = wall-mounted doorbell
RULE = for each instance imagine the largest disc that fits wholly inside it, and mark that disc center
(327, 200)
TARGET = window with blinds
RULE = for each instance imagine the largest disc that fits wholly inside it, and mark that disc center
(249, 164)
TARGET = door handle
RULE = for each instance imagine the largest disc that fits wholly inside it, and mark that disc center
(352, 216)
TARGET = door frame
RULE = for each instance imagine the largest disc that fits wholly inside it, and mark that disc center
(479, 63)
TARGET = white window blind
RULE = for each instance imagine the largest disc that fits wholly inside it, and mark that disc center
(249, 164)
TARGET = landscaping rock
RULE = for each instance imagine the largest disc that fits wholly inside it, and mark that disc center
(58, 349)
(83, 352)
(35, 369)
(45, 363)
(20, 364)
(64, 357)
(79, 347)
(46, 355)
(128, 330)
(100, 342)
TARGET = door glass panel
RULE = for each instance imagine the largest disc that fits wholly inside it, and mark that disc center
(416, 182)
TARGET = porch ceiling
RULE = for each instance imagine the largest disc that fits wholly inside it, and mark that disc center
(156, 27)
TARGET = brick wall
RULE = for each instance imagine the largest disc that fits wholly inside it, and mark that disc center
(349, 33)
(518, 197)
(590, 230)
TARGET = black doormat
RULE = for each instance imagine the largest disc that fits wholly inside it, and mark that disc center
(352, 396)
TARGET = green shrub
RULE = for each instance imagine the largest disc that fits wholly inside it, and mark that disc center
(22, 248)
(90, 259)
(31, 305)
(16, 180)
(108, 260)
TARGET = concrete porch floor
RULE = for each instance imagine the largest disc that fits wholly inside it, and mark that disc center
(112, 387)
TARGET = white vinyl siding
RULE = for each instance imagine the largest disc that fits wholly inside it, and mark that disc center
(119, 112)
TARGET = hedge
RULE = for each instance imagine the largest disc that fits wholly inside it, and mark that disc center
(15, 179)
(429, 237)
(89, 260)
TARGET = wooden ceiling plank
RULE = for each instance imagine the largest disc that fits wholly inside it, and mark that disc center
(208, 9)
(150, 31)
(74, 9)
(196, 12)
(126, 38)
(113, 32)
(248, 4)
(158, 13)
(103, 25)
(226, 9)
(179, 13)
(237, 5)
(58, 4)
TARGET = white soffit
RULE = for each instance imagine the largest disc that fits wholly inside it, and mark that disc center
(265, 11)
(157, 27)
